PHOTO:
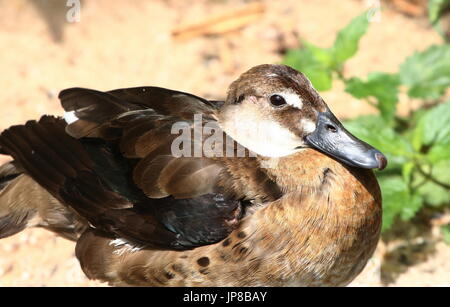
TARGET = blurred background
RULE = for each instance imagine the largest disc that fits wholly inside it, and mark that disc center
(384, 66)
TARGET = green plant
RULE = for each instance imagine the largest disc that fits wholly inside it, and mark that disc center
(417, 145)
(446, 233)
(436, 8)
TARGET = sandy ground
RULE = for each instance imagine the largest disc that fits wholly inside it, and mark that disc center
(122, 44)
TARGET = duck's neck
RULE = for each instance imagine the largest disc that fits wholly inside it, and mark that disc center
(336, 188)
(328, 215)
(311, 170)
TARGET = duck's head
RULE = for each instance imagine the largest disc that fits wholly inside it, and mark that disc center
(274, 111)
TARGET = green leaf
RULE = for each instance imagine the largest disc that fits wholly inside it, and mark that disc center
(407, 170)
(417, 137)
(310, 62)
(397, 200)
(321, 55)
(445, 230)
(435, 8)
(415, 202)
(433, 126)
(434, 194)
(436, 124)
(383, 87)
(373, 130)
(319, 63)
(438, 153)
(347, 40)
(427, 74)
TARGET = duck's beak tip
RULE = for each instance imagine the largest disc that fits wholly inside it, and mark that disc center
(382, 161)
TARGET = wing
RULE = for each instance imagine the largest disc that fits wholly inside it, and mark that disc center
(94, 109)
(144, 122)
(118, 171)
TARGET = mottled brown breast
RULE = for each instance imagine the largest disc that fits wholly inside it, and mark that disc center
(321, 232)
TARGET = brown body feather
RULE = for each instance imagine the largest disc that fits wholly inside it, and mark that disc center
(149, 217)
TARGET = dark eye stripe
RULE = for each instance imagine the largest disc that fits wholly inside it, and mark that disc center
(277, 100)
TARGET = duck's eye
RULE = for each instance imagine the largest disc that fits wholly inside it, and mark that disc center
(277, 100)
(239, 99)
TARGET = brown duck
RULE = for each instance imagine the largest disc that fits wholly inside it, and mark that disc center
(163, 188)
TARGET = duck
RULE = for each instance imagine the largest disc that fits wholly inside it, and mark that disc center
(159, 187)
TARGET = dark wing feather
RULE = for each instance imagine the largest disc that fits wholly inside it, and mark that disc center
(96, 107)
(140, 120)
(127, 140)
(164, 101)
(189, 177)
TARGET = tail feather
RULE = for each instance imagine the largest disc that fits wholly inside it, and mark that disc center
(25, 203)
(14, 215)
(8, 172)
(11, 224)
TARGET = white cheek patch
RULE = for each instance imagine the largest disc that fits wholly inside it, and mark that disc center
(264, 137)
(70, 117)
(307, 125)
(292, 99)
